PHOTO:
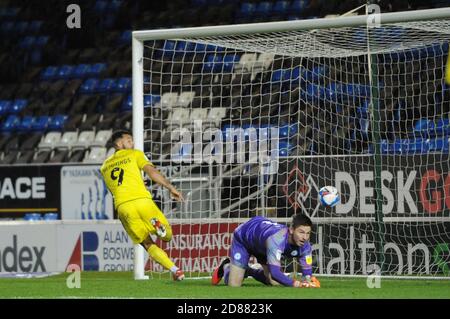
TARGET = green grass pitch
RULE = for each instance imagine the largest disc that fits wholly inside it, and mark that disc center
(122, 285)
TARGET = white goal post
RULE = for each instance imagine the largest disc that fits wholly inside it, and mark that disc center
(356, 102)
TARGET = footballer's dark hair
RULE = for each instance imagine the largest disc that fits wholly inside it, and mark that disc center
(119, 134)
(301, 220)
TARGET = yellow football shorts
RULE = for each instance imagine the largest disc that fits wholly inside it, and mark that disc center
(135, 216)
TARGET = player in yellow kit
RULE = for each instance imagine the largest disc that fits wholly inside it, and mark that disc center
(137, 212)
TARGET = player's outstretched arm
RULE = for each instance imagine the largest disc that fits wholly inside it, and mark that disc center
(160, 179)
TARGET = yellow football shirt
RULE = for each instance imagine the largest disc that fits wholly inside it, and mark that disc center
(122, 174)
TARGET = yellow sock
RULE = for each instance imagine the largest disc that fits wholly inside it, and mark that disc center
(160, 256)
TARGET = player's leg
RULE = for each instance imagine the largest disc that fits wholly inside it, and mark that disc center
(239, 257)
(259, 274)
(130, 214)
(156, 220)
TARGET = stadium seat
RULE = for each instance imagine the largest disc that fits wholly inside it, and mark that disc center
(89, 86)
(442, 126)
(110, 152)
(40, 123)
(424, 128)
(59, 156)
(49, 73)
(246, 10)
(30, 141)
(178, 116)
(95, 155)
(263, 63)
(81, 71)
(185, 99)
(106, 86)
(123, 85)
(76, 156)
(246, 62)
(298, 6)
(50, 140)
(169, 100)
(42, 156)
(101, 138)
(9, 157)
(85, 138)
(263, 9)
(24, 157)
(32, 217)
(64, 72)
(216, 114)
(213, 63)
(5, 107)
(17, 106)
(68, 139)
(26, 123)
(57, 122)
(50, 216)
(151, 99)
(438, 144)
(199, 114)
(280, 7)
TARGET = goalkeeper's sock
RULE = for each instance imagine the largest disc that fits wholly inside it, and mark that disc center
(160, 256)
(258, 274)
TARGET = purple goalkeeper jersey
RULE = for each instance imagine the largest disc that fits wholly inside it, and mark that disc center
(268, 241)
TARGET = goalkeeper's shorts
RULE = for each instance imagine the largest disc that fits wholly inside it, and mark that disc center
(136, 216)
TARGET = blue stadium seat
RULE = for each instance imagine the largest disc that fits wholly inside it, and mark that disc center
(96, 69)
(33, 217)
(123, 85)
(89, 86)
(21, 27)
(5, 107)
(65, 72)
(229, 62)
(263, 9)
(183, 47)
(100, 6)
(280, 76)
(287, 131)
(151, 99)
(285, 148)
(25, 124)
(18, 105)
(127, 104)
(247, 10)
(200, 47)
(313, 92)
(213, 63)
(40, 124)
(11, 123)
(114, 5)
(106, 86)
(424, 128)
(49, 73)
(35, 26)
(281, 7)
(50, 216)
(41, 41)
(440, 144)
(299, 6)
(442, 126)
(169, 48)
(57, 122)
(81, 71)
(7, 27)
(363, 110)
(27, 42)
(125, 37)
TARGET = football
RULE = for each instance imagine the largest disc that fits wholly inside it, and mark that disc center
(329, 196)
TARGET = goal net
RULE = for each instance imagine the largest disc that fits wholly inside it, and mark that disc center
(253, 120)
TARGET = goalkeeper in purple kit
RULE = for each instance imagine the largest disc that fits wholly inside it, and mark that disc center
(268, 241)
